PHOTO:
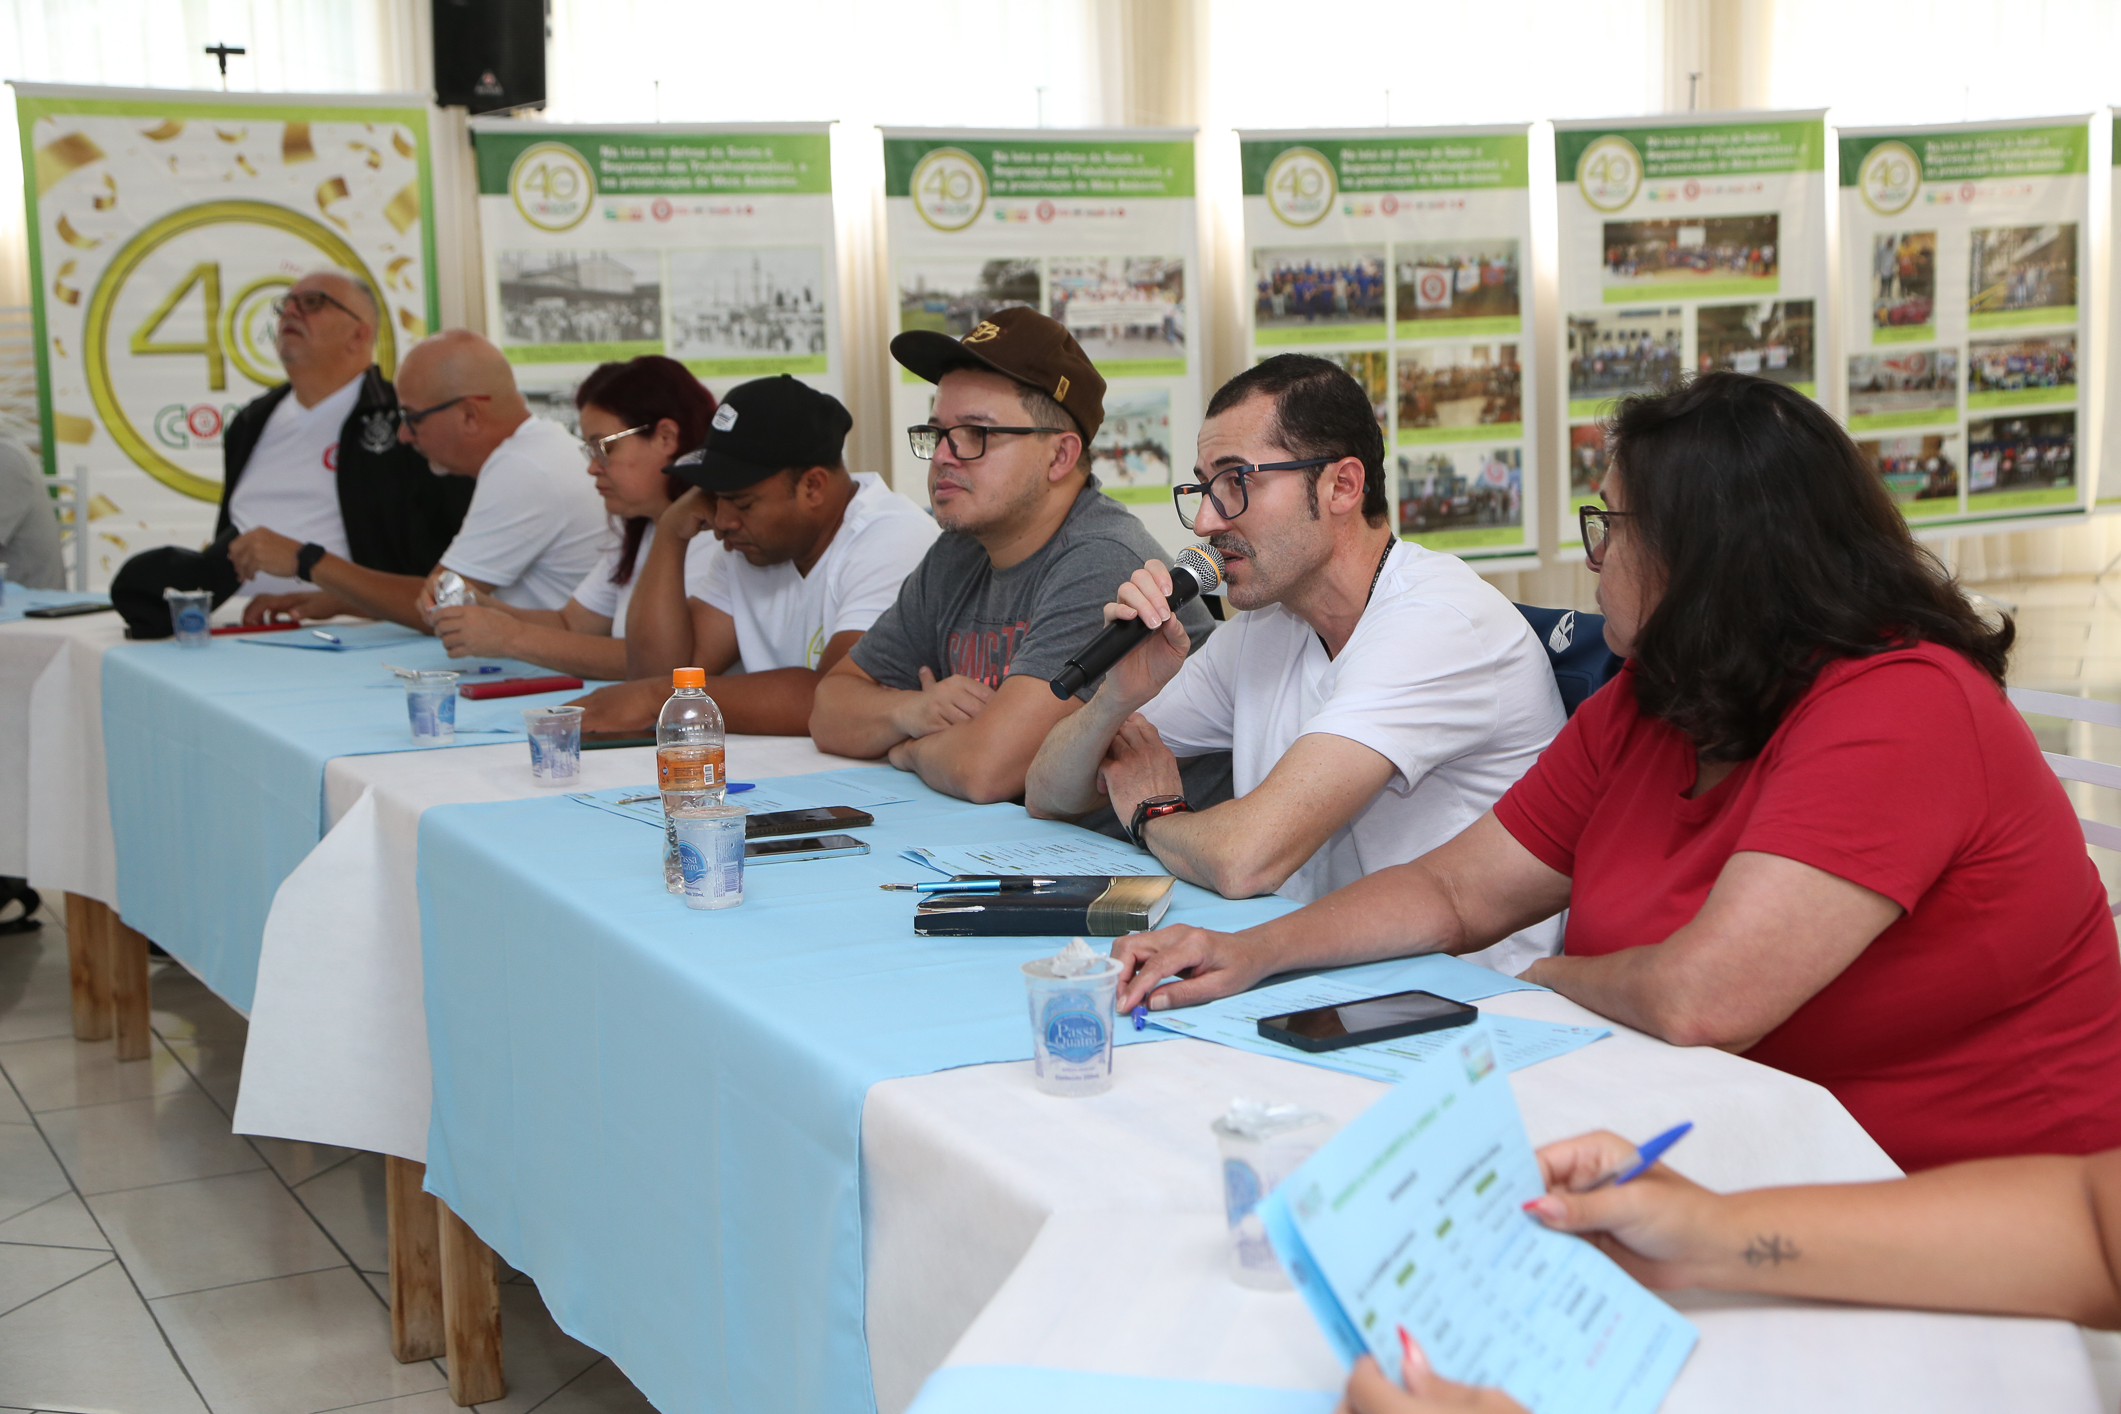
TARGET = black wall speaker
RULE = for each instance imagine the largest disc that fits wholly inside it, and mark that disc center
(489, 54)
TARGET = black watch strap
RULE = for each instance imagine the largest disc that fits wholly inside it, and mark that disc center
(306, 561)
(1152, 808)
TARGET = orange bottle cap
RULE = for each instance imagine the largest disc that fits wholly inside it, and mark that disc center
(688, 677)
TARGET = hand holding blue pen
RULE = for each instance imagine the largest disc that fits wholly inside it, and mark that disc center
(1649, 1153)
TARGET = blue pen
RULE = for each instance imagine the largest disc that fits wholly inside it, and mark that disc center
(327, 637)
(1141, 1018)
(735, 786)
(1654, 1150)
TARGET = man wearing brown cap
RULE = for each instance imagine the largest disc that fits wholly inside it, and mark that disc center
(951, 683)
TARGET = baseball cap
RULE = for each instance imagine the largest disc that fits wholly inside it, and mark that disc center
(765, 426)
(1018, 343)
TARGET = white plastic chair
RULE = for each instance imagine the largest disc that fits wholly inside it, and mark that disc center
(2077, 768)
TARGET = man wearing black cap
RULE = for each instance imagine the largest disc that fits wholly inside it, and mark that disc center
(808, 557)
(951, 682)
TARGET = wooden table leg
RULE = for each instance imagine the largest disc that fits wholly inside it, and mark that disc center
(128, 989)
(415, 1262)
(88, 966)
(471, 1312)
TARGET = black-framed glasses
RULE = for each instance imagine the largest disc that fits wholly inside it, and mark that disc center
(968, 441)
(598, 449)
(1596, 524)
(308, 302)
(413, 417)
(1236, 487)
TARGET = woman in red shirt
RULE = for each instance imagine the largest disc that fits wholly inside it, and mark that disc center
(1803, 824)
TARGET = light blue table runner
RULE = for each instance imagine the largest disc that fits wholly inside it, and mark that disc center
(656, 1111)
(216, 762)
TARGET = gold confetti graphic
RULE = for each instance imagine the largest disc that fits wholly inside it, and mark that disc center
(414, 325)
(72, 429)
(100, 505)
(116, 540)
(329, 192)
(63, 155)
(163, 131)
(295, 145)
(110, 198)
(74, 238)
(404, 208)
(244, 163)
(394, 274)
(374, 158)
(237, 136)
(66, 293)
(397, 140)
(60, 345)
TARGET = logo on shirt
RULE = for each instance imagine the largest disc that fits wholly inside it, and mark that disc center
(377, 433)
(1564, 633)
(331, 457)
(985, 653)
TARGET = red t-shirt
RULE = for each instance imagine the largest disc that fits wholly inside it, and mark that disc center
(1986, 1020)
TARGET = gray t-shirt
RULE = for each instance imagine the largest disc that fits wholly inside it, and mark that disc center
(958, 614)
(29, 524)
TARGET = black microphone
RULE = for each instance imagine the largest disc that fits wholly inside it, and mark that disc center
(1199, 571)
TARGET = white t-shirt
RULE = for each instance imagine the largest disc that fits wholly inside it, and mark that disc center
(291, 482)
(785, 619)
(536, 523)
(599, 595)
(1442, 677)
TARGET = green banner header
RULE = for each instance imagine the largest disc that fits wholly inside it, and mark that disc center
(651, 163)
(1395, 164)
(1970, 155)
(1090, 166)
(1706, 149)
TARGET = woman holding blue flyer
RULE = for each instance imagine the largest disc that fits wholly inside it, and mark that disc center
(1803, 824)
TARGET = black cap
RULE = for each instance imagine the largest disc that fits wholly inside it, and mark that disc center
(765, 426)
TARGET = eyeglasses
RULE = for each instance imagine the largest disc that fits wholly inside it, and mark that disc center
(308, 302)
(598, 449)
(968, 443)
(1237, 488)
(1597, 528)
(413, 417)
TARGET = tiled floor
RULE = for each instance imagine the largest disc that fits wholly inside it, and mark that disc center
(153, 1262)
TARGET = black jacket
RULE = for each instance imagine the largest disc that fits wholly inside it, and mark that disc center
(399, 515)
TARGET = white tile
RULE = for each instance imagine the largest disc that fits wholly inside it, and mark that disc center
(26, 1273)
(177, 1237)
(298, 1161)
(34, 997)
(62, 1073)
(537, 1357)
(91, 1345)
(433, 1402)
(348, 1201)
(185, 1008)
(29, 1175)
(216, 1064)
(12, 1111)
(61, 1222)
(602, 1389)
(292, 1345)
(137, 1142)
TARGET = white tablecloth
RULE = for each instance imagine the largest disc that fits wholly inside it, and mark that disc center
(54, 797)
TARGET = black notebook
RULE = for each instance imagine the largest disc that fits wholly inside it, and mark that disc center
(1086, 905)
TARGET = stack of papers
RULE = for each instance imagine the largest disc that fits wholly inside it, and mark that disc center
(1079, 853)
(645, 804)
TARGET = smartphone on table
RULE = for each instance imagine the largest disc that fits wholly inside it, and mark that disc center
(782, 851)
(801, 822)
(1386, 1018)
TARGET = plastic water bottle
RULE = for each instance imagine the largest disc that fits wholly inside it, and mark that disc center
(688, 760)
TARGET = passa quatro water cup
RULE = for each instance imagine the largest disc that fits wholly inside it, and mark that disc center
(431, 703)
(711, 853)
(1071, 996)
(555, 745)
(188, 611)
(1261, 1144)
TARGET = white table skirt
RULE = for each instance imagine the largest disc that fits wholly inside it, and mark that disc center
(54, 795)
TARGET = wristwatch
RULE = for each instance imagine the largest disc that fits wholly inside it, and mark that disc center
(306, 561)
(1150, 809)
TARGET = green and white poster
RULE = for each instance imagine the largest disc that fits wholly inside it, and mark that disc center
(712, 245)
(1690, 244)
(162, 227)
(1963, 250)
(1097, 228)
(1403, 254)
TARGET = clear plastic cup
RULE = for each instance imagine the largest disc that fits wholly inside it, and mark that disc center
(1260, 1148)
(431, 702)
(555, 744)
(711, 853)
(188, 611)
(3, 582)
(1071, 1027)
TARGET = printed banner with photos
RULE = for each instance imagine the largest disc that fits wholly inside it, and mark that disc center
(163, 226)
(1692, 245)
(1402, 254)
(711, 245)
(1963, 249)
(1096, 227)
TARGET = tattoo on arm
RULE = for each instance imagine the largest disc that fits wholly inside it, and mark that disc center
(1771, 1250)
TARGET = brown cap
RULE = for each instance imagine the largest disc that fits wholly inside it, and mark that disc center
(1018, 343)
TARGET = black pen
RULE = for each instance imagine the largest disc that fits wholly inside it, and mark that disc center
(1010, 884)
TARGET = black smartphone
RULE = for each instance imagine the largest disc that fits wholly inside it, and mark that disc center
(803, 822)
(805, 847)
(64, 611)
(1387, 1018)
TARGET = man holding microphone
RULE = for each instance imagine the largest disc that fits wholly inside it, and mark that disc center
(1377, 697)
